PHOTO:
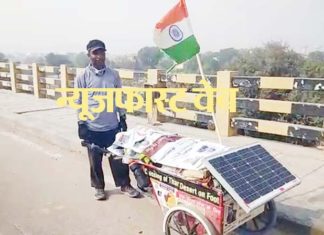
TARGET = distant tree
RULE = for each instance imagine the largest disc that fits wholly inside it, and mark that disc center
(57, 59)
(33, 59)
(281, 61)
(165, 63)
(249, 61)
(123, 62)
(3, 58)
(275, 59)
(191, 66)
(314, 65)
(313, 69)
(81, 60)
(213, 61)
(316, 56)
(210, 62)
(227, 57)
(148, 57)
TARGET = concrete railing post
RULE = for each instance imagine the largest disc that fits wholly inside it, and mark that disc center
(13, 79)
(154, 80)
(223, 114)
(64, 78)
(36, 80)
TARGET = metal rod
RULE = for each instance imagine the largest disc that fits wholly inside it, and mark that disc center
(172, 67)
(213, 114)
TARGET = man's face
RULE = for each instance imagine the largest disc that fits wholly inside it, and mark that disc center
(97, 58)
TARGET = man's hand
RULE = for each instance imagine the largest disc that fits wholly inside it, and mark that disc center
(122, 123)
(82, 130)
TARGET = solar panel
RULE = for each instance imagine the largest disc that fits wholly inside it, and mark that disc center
(251, 175)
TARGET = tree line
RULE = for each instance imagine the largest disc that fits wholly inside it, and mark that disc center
(273, 59)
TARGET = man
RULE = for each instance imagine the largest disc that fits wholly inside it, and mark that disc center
(102, 130)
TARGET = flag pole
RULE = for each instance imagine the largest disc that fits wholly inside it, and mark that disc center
(172, 67)
(213, 114)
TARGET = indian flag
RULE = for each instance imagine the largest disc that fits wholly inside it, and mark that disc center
(174, 35)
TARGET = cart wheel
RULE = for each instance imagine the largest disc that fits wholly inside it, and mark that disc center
(186, 221)
(261, 224)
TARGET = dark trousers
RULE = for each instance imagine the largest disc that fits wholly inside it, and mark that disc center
(119, 170)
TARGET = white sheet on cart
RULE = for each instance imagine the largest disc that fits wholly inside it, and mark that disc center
(187, 153)
(137, 139)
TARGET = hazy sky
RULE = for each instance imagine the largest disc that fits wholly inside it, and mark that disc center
(127, 25)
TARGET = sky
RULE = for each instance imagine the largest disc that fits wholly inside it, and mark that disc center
(60, 26)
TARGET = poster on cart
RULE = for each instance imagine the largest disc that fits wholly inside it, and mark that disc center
(165, 194)
(169, 196)
(184, 186)
(211, 211)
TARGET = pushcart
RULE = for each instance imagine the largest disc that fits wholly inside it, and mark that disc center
(192, 208)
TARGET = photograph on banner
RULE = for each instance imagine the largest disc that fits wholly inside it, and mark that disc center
(165, 194)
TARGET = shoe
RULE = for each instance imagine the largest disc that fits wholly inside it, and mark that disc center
(130, 191)
(100, 194)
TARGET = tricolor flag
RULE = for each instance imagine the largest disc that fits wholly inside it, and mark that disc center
(173, 34)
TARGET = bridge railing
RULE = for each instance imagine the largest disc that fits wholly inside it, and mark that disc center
(272, 105)
(265, 105)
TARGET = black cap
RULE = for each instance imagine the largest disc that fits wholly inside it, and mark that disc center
(95, 45)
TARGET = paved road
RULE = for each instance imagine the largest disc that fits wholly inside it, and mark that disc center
(45, 191)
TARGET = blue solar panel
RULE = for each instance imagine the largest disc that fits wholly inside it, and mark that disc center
(252, 172)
